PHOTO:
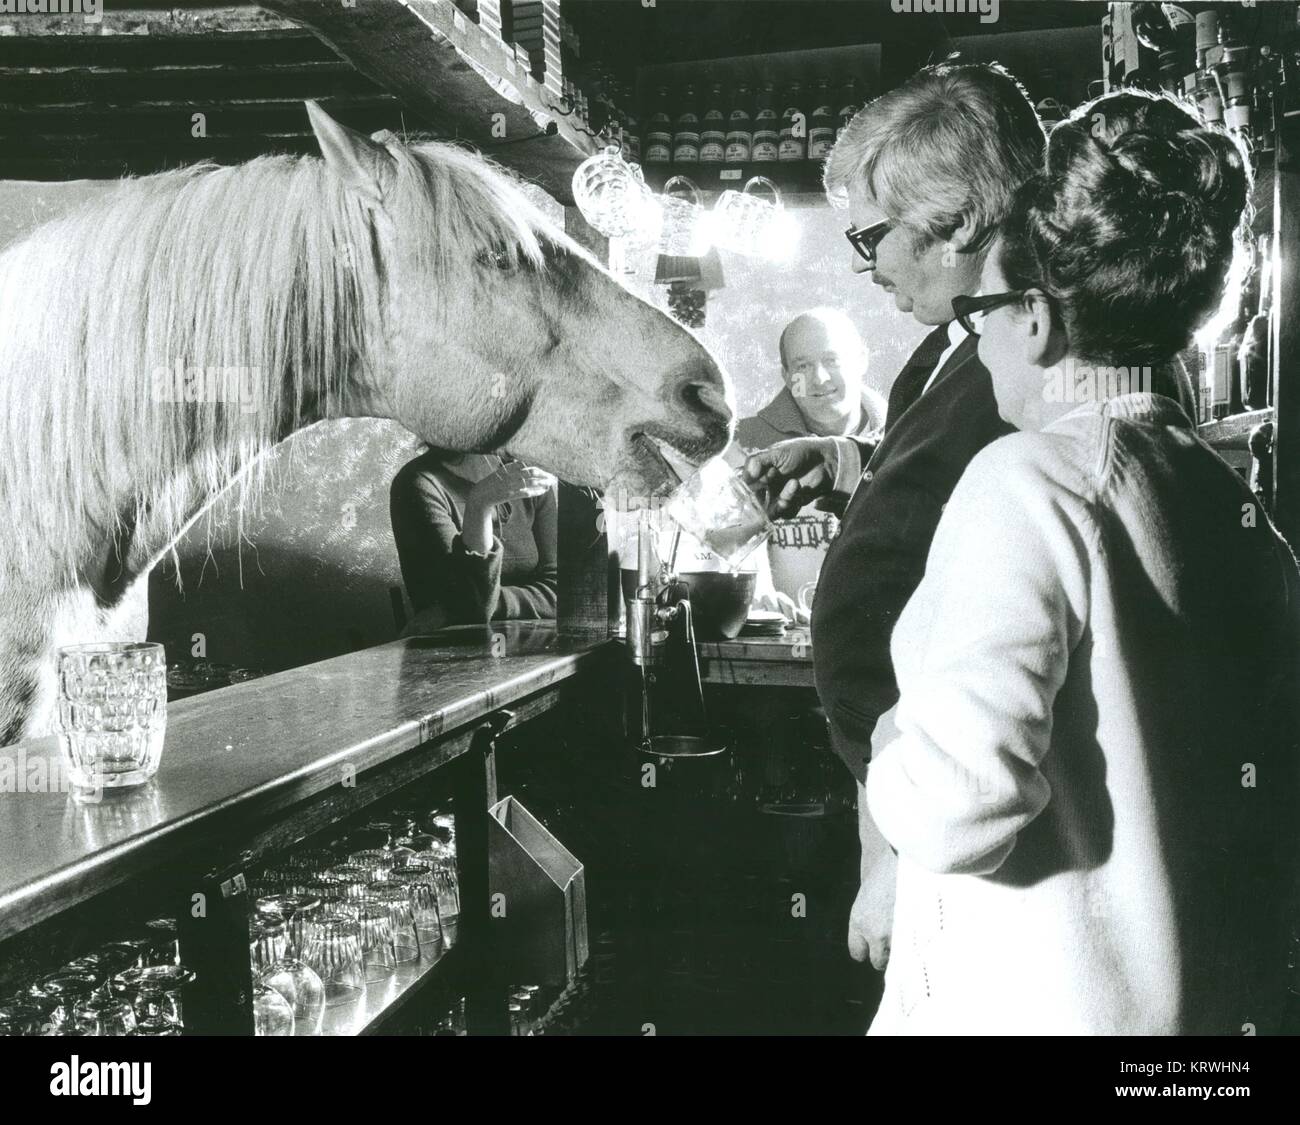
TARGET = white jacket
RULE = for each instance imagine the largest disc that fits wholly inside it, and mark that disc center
(1088, 777)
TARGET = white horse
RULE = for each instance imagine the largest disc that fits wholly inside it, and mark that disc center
(156, 343)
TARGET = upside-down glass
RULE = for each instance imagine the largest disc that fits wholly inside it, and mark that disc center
(24, 1016)
(69, 990)
(720, 510)
(419, 882)
(293, 910)
(353, 880)
(377, 950)
(396, 900)
(334, 952)
(155, 992)
(165, 948)
(272, 1013)
(103, 1015)
(268, 942)
(377, 862)
(112, 712)
(288, 974)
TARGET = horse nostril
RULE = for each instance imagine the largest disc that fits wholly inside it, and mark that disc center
(705, 398)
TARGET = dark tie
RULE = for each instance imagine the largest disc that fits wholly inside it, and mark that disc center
(911, 380)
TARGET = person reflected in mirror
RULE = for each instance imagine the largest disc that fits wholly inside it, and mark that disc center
(476, 538)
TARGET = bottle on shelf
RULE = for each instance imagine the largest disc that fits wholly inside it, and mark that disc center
(821, 126)
(850, 102)
(686, 135)
(1253, 355)
(658, 148)
(713, 128)
(767, 127)
(631, 139)
(740, 127)
(794, 126)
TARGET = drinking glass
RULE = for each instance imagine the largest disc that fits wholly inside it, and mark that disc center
(112, 712)
(25, 1016)
(745, 223)
(613, 197)
(418, 881)
(155, 991)
(396, 900)
(302, 989)
(416, 842)
(353, 880)
(131, 953)
(379, 956)
(103, 1015)
(308, 860)
(165, 948)
(287, 973)
(268, 942)
(686, 224)
(272, 1013)
(334, 952)
(378, 862)
(293, 910)
(440, 823)
(68, 990)
(324, 887)
(720, 510)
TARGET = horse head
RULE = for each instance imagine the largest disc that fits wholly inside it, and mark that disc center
(501, 333)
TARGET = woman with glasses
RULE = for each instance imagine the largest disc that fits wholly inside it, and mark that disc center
(1089, 774)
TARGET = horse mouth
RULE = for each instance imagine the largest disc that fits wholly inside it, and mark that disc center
(665, 461)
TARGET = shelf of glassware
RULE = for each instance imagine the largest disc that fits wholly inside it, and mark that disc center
(792, 177)
(380, 1002)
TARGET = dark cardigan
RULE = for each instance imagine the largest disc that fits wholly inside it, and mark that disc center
(515, 580)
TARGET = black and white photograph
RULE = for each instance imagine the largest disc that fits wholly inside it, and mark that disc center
(642, 519)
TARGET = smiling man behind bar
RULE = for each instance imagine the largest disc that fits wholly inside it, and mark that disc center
(927, 171)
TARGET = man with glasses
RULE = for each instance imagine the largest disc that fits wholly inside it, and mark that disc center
(928, 172)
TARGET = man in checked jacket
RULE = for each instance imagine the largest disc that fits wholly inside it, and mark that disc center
(928, 171)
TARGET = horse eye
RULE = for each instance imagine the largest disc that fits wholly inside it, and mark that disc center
(496, 259)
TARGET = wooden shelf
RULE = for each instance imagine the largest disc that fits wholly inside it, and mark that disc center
(1233, 432)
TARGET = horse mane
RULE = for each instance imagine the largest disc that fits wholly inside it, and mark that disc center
(270, 267)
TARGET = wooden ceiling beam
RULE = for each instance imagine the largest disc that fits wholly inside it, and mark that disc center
(410, 49)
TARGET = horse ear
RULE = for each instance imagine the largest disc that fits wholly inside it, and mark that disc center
(353, 157)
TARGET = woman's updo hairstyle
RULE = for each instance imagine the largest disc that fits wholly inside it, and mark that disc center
(1132, 226)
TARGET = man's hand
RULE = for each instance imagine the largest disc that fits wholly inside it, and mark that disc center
(871, 921)
(793, 473)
